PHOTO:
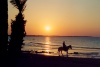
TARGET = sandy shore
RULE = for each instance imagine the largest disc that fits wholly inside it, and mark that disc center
(31, 60)
(36, 60)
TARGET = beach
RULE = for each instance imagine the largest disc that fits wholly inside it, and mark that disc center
(86, 47)
(37, 60)
(42, 52)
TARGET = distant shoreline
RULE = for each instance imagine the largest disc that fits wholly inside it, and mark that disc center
(55, 36)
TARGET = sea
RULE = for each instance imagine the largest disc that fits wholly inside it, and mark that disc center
(82, 46)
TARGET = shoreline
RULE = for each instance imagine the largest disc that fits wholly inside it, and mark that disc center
(59, 61)
(74, 54)
(28, 59)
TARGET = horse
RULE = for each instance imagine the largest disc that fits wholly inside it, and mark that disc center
(60, 49)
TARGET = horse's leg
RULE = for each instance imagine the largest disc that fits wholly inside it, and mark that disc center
(61, 53)
(67, 53)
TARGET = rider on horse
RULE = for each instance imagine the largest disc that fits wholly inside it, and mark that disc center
(64, 46)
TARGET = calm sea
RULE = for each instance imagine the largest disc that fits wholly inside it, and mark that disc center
(88, 47)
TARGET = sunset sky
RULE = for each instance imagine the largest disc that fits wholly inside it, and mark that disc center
(60, 17)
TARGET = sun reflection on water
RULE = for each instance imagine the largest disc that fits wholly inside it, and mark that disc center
(47, 46)
(47, 40)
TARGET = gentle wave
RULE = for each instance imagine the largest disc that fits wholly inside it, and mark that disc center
(42, 44)
(86, 47)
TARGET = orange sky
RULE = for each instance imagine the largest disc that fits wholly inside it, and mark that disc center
(64, 17)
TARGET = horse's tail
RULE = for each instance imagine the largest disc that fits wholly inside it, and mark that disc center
(58, 49)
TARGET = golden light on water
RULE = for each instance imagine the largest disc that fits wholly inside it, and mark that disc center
(47, 50)
(47, 45)
(47, 40)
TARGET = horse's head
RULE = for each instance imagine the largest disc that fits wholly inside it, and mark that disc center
(70, 46)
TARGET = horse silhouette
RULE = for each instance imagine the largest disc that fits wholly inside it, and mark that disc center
(60, 49)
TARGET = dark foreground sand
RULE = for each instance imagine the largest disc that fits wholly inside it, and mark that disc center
(36, 60)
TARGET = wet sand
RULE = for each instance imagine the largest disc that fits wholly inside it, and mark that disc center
(36, 60)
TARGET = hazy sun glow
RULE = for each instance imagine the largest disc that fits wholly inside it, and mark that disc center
(59, 17)
(47, 28)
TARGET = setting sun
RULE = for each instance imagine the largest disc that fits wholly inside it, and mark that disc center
(47, 28)
(59, 17)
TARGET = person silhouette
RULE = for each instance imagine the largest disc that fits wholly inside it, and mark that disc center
(64, 46)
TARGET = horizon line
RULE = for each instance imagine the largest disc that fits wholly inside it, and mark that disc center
(61, 36)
